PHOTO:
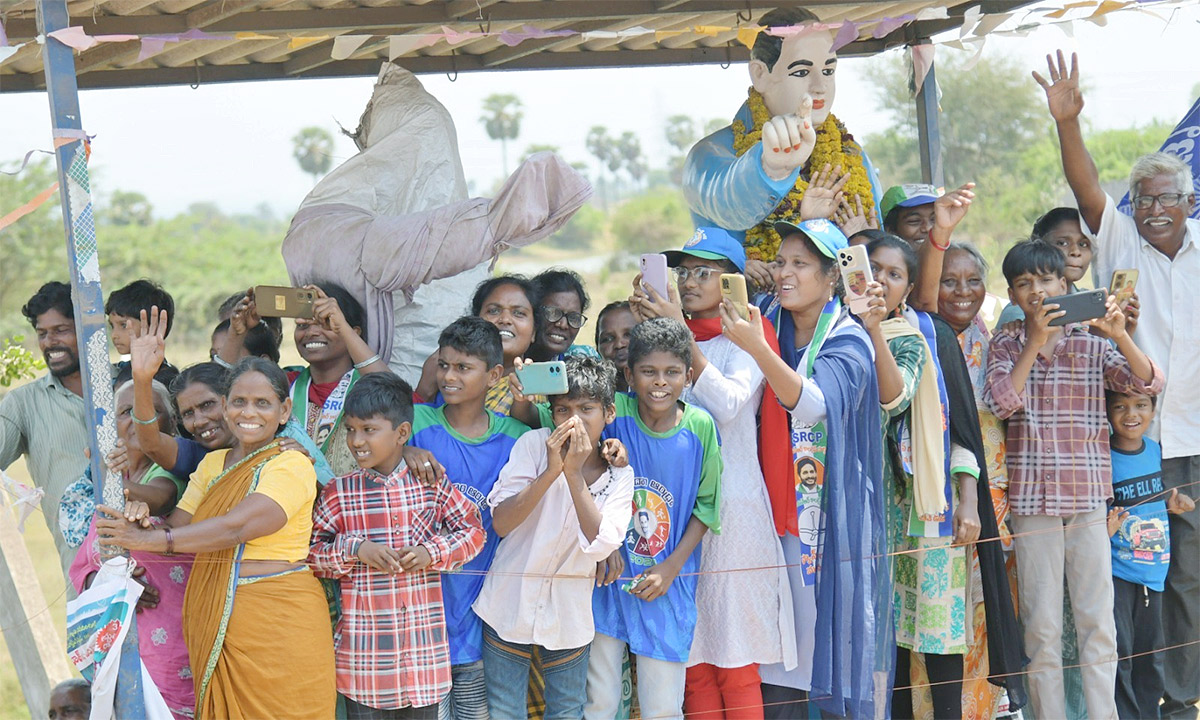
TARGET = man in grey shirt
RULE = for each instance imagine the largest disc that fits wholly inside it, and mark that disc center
(45, 419)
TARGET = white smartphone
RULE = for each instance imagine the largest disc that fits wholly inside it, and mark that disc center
(856, 273)
(655, 274)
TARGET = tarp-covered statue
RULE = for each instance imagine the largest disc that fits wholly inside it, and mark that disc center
(394, 226)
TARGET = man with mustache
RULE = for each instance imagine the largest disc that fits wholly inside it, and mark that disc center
(45, 419)
(1160, 242)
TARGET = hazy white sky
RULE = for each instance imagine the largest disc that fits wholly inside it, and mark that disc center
(231, 143)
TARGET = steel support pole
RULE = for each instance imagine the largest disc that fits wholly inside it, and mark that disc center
(71, 156)
(929, 136)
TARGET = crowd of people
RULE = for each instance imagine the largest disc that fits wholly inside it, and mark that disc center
(788, 509)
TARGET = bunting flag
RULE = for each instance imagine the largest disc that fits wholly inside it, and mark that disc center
(975, 23)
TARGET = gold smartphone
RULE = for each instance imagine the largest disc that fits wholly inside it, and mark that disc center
(275, 301)
(733, 286)
(1123, 283)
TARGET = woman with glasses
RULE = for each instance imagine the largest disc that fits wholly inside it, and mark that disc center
(563, 303)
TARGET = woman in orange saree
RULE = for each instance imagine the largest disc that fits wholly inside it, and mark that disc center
(254, 618)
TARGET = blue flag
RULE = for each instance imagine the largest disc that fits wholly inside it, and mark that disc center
(1182, 141)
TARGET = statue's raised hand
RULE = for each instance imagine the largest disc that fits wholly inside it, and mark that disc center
(788, 141)
(1062, 91)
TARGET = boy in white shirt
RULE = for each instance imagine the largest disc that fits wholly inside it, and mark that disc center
(561, 505)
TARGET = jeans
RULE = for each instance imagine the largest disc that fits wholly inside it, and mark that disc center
(659, 683)
(468, 696)
(1076, 546)
(1181, 596)
(358, 711)
(506, 669)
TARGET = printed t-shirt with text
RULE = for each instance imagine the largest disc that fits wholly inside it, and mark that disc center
(677, 474)
(473, 466)
(1141, 548)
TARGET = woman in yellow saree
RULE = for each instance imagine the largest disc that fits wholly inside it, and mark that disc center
(254, 618)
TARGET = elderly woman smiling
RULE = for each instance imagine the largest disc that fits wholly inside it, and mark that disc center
(254, 618)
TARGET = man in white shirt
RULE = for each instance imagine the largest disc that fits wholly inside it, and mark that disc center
(1161, 243)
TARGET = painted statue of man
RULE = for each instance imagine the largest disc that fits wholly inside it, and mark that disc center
(747, 175)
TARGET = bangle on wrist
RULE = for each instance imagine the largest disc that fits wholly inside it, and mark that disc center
(153, 419)
(369, 361)
(943, 248)
(170, 542)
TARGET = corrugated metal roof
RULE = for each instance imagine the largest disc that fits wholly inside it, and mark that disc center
(295, 37)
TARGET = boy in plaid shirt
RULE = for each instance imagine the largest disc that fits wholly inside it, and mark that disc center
(1049, 381)
(386, 537)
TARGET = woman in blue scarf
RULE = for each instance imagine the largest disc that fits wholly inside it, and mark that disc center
(833, 520)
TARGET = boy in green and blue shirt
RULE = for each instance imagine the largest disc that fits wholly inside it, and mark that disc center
(472, 445)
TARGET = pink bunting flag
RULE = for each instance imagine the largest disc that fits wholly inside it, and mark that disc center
(888, 24)
(73, 37)
(846, 34)
(152, 46)
(453, 37)
(512, 38)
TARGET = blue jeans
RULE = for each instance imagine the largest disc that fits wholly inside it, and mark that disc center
(506, 667)
(467, 699)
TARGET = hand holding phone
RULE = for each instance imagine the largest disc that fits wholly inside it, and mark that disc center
(1122, 285)
(655, 274)
(1078, 307)
(733, 287)
(543, 378)
(856, 277)
(276, 301)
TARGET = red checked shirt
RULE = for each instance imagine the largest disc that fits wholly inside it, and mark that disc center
(1057, 440)
(391, 640)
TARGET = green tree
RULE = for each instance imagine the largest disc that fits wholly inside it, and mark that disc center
(537, 148)
(34, 248)
(17, 362)
(652, 221)
(603, 147)
(313, 149)
(502, 119)
(712, 125)
(681, 135)
(629, 148)
(128, 208)
(584, 228)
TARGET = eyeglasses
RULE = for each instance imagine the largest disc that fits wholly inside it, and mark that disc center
(1167, 200)
(574, 319)
(702, 274)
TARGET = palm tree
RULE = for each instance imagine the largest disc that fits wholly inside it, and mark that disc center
(602, 146)
(313, 149)
(502, 120)
(629, 150)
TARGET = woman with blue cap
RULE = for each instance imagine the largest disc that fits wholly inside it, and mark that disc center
(743, 599)
(834, 539)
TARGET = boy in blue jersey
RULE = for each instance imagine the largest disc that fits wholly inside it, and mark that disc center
(472, 445)
(675, 453)
(1141, 552)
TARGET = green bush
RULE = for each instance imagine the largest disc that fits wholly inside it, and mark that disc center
(652, 222)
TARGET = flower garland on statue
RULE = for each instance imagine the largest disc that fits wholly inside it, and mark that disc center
(834, 146)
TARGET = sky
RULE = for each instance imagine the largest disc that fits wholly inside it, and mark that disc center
(231, 144)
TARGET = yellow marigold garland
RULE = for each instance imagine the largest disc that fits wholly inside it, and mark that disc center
(834, 146)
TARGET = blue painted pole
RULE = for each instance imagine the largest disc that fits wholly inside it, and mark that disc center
(74, 189)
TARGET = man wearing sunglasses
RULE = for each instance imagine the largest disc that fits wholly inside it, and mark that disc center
(1160, 242)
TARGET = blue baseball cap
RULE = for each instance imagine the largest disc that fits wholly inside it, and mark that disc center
(825, 235)
(711, 244)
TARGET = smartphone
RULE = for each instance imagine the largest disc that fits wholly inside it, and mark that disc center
(1123, 283)
(856, 273)
(655, 274)
(733, 286)
(274, 301)
(1080, 306)
(544, 378)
